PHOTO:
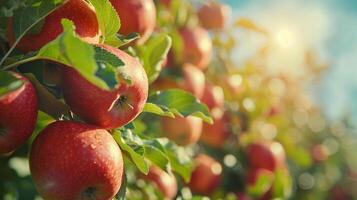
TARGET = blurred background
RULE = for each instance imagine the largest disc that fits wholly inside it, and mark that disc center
(327, 26)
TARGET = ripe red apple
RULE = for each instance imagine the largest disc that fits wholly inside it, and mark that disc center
(165, 182)
(213, 97)
(72, 160)
(136, 16)
(18, 114)
(197, 46)
(79, 11)
(206, 176)
(192, 80)
(214, 15)
(266, 154)
(182, 130)
(107, 109)
(216, 134)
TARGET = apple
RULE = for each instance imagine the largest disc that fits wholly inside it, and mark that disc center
(197, 46)
(213, 97)
(216, 134)
(320, 153)
(103, 108)
(214, 15)
(18, 114)
(192, 80)
(137, 16)
(206, 176)
(182, 130)
(72, 160)
(242, 196)
(266, 155)
(164, 181)
(79, 11)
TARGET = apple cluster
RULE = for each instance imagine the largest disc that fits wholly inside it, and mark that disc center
(91, 163)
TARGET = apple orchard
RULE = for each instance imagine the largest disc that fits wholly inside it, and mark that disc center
(143, 99)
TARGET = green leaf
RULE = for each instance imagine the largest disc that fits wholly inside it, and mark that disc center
(282, 186)
(65, 50)
(155, 152)
(180, 103)
(9, 83)
(154, 53)
(133, 145)
(122, 192)
(121, 40)
(108, 18)
(43, 120)
(27, 17)
(179, 157)
(155, 109)
(261, 186)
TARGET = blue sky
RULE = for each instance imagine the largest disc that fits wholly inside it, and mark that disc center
(333, 31)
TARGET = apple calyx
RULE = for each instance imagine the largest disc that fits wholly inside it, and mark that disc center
(121, 103)
(90, 193)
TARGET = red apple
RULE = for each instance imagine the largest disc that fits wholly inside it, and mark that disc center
(107, 109)
(165, 182)
(319, 153)
(213, 97)
(266, 154)
(197, 46)
(71, 160)
(136, 16)
(182, 130)
(242, 196)
(214, 15)
(18, 114)
(79, 11)
(193, 81)
(216, 134)
(206, 176)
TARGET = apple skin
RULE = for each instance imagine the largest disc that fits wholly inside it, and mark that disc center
(18, 114)
(213, 97)
(72, 160)
(165, 182)
(197, 46)
(84, 18)
(216, 134)
(136, 16)
(266, 155)
(214, 15)
(206, 176)
(103, 108)
(193, 81)
(182, 130)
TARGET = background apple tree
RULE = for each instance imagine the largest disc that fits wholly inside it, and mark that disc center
(198, 124)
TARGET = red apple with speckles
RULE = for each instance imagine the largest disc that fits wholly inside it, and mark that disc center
(72, 160)
(214, 15)
(206, 176)
(266, 154)
(182, 130)
(79, 11)
(164, 181)
(137, 16)
(197, 46)
(18, 114)
(104, 108)
(216, 134)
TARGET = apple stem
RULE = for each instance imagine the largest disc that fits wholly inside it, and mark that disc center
(20, 62)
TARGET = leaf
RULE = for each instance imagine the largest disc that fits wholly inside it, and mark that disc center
(155, 152)
(282, 186)
(180, 103)
(64, 49)
(9, 83)
(154, 53)
(121, 40)
(180, 159)
(249, 25)
(27, 17)
(43, 120)
(108, 18)
(155, 109)
(132, 144)
(262, 185)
